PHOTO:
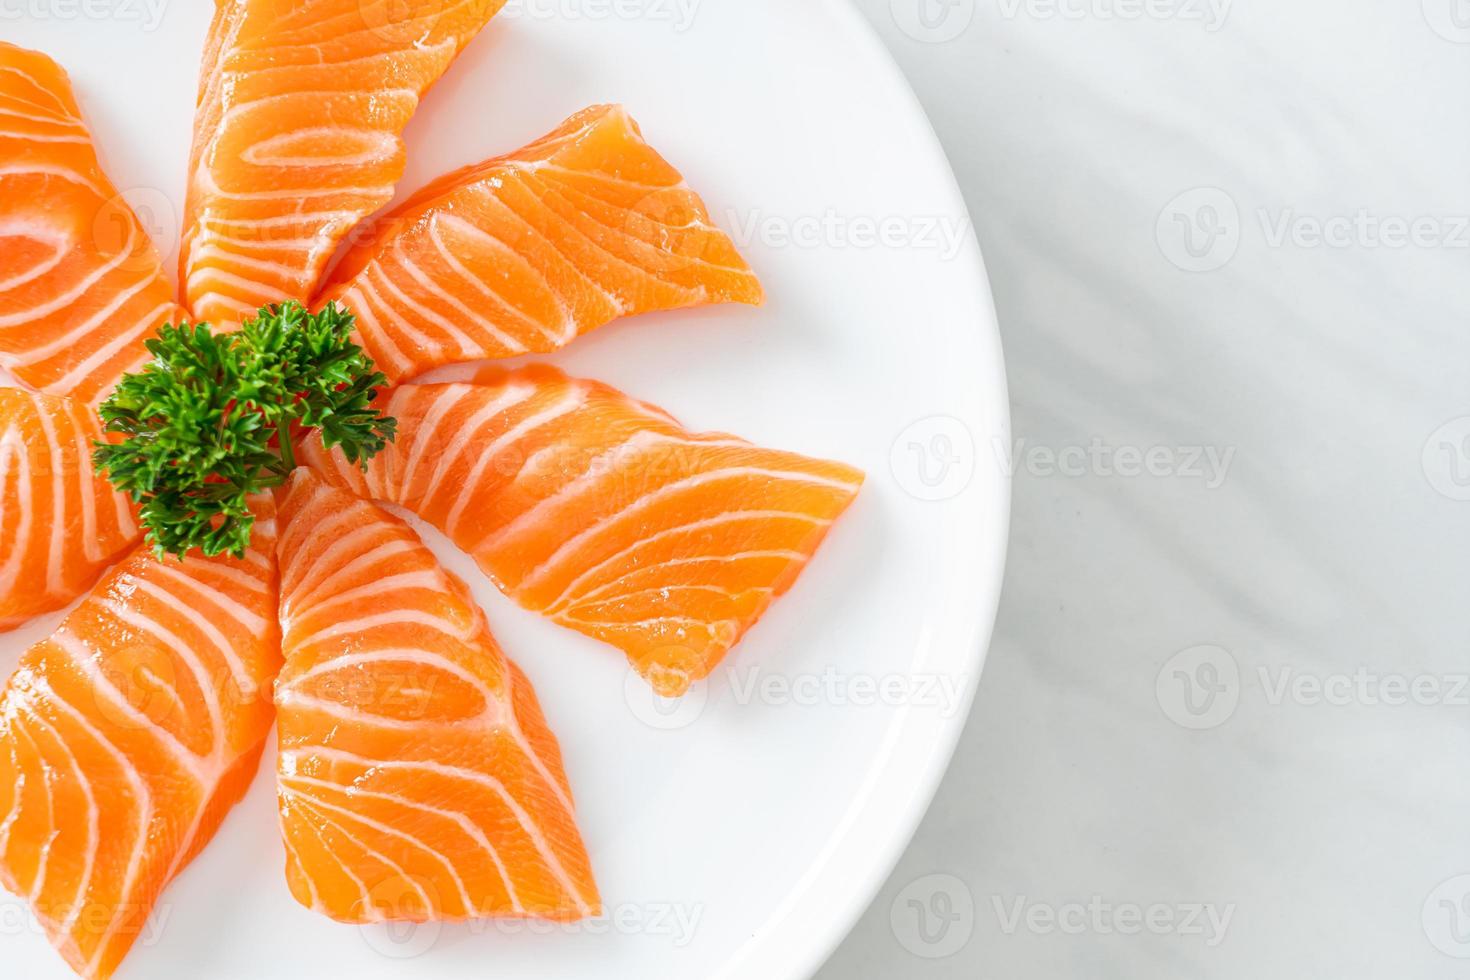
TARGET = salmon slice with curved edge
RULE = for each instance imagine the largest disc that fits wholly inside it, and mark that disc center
(526, 252)
(127, 736)
(61, 524)
(602, 512)
(298, 136)
(418, 779)
(81, 286)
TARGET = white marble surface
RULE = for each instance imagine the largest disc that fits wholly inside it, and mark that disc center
(1317, 806)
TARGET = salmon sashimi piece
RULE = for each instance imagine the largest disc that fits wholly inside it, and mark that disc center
(127, 736)
(418, 778)
(61, 524)
(602, 512)
(298, 136)
(526, 252)
(81, 286)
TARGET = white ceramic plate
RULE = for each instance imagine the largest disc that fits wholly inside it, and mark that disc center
(740, 832)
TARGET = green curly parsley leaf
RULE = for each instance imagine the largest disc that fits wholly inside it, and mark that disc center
(211, 420)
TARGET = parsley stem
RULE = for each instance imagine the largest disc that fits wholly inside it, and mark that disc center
(283, 437)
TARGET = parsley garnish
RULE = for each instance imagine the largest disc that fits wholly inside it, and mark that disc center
(212, 418)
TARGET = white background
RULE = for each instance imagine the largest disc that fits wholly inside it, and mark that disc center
(1334, 543)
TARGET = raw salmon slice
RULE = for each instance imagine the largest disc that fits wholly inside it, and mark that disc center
(61, 524)
(127, 736)
(297, 136)
(526, 252)
(603, 513)
(418, 779)
(81, 287)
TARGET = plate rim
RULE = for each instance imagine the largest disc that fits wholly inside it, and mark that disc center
(823, 906)
(825, 916)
